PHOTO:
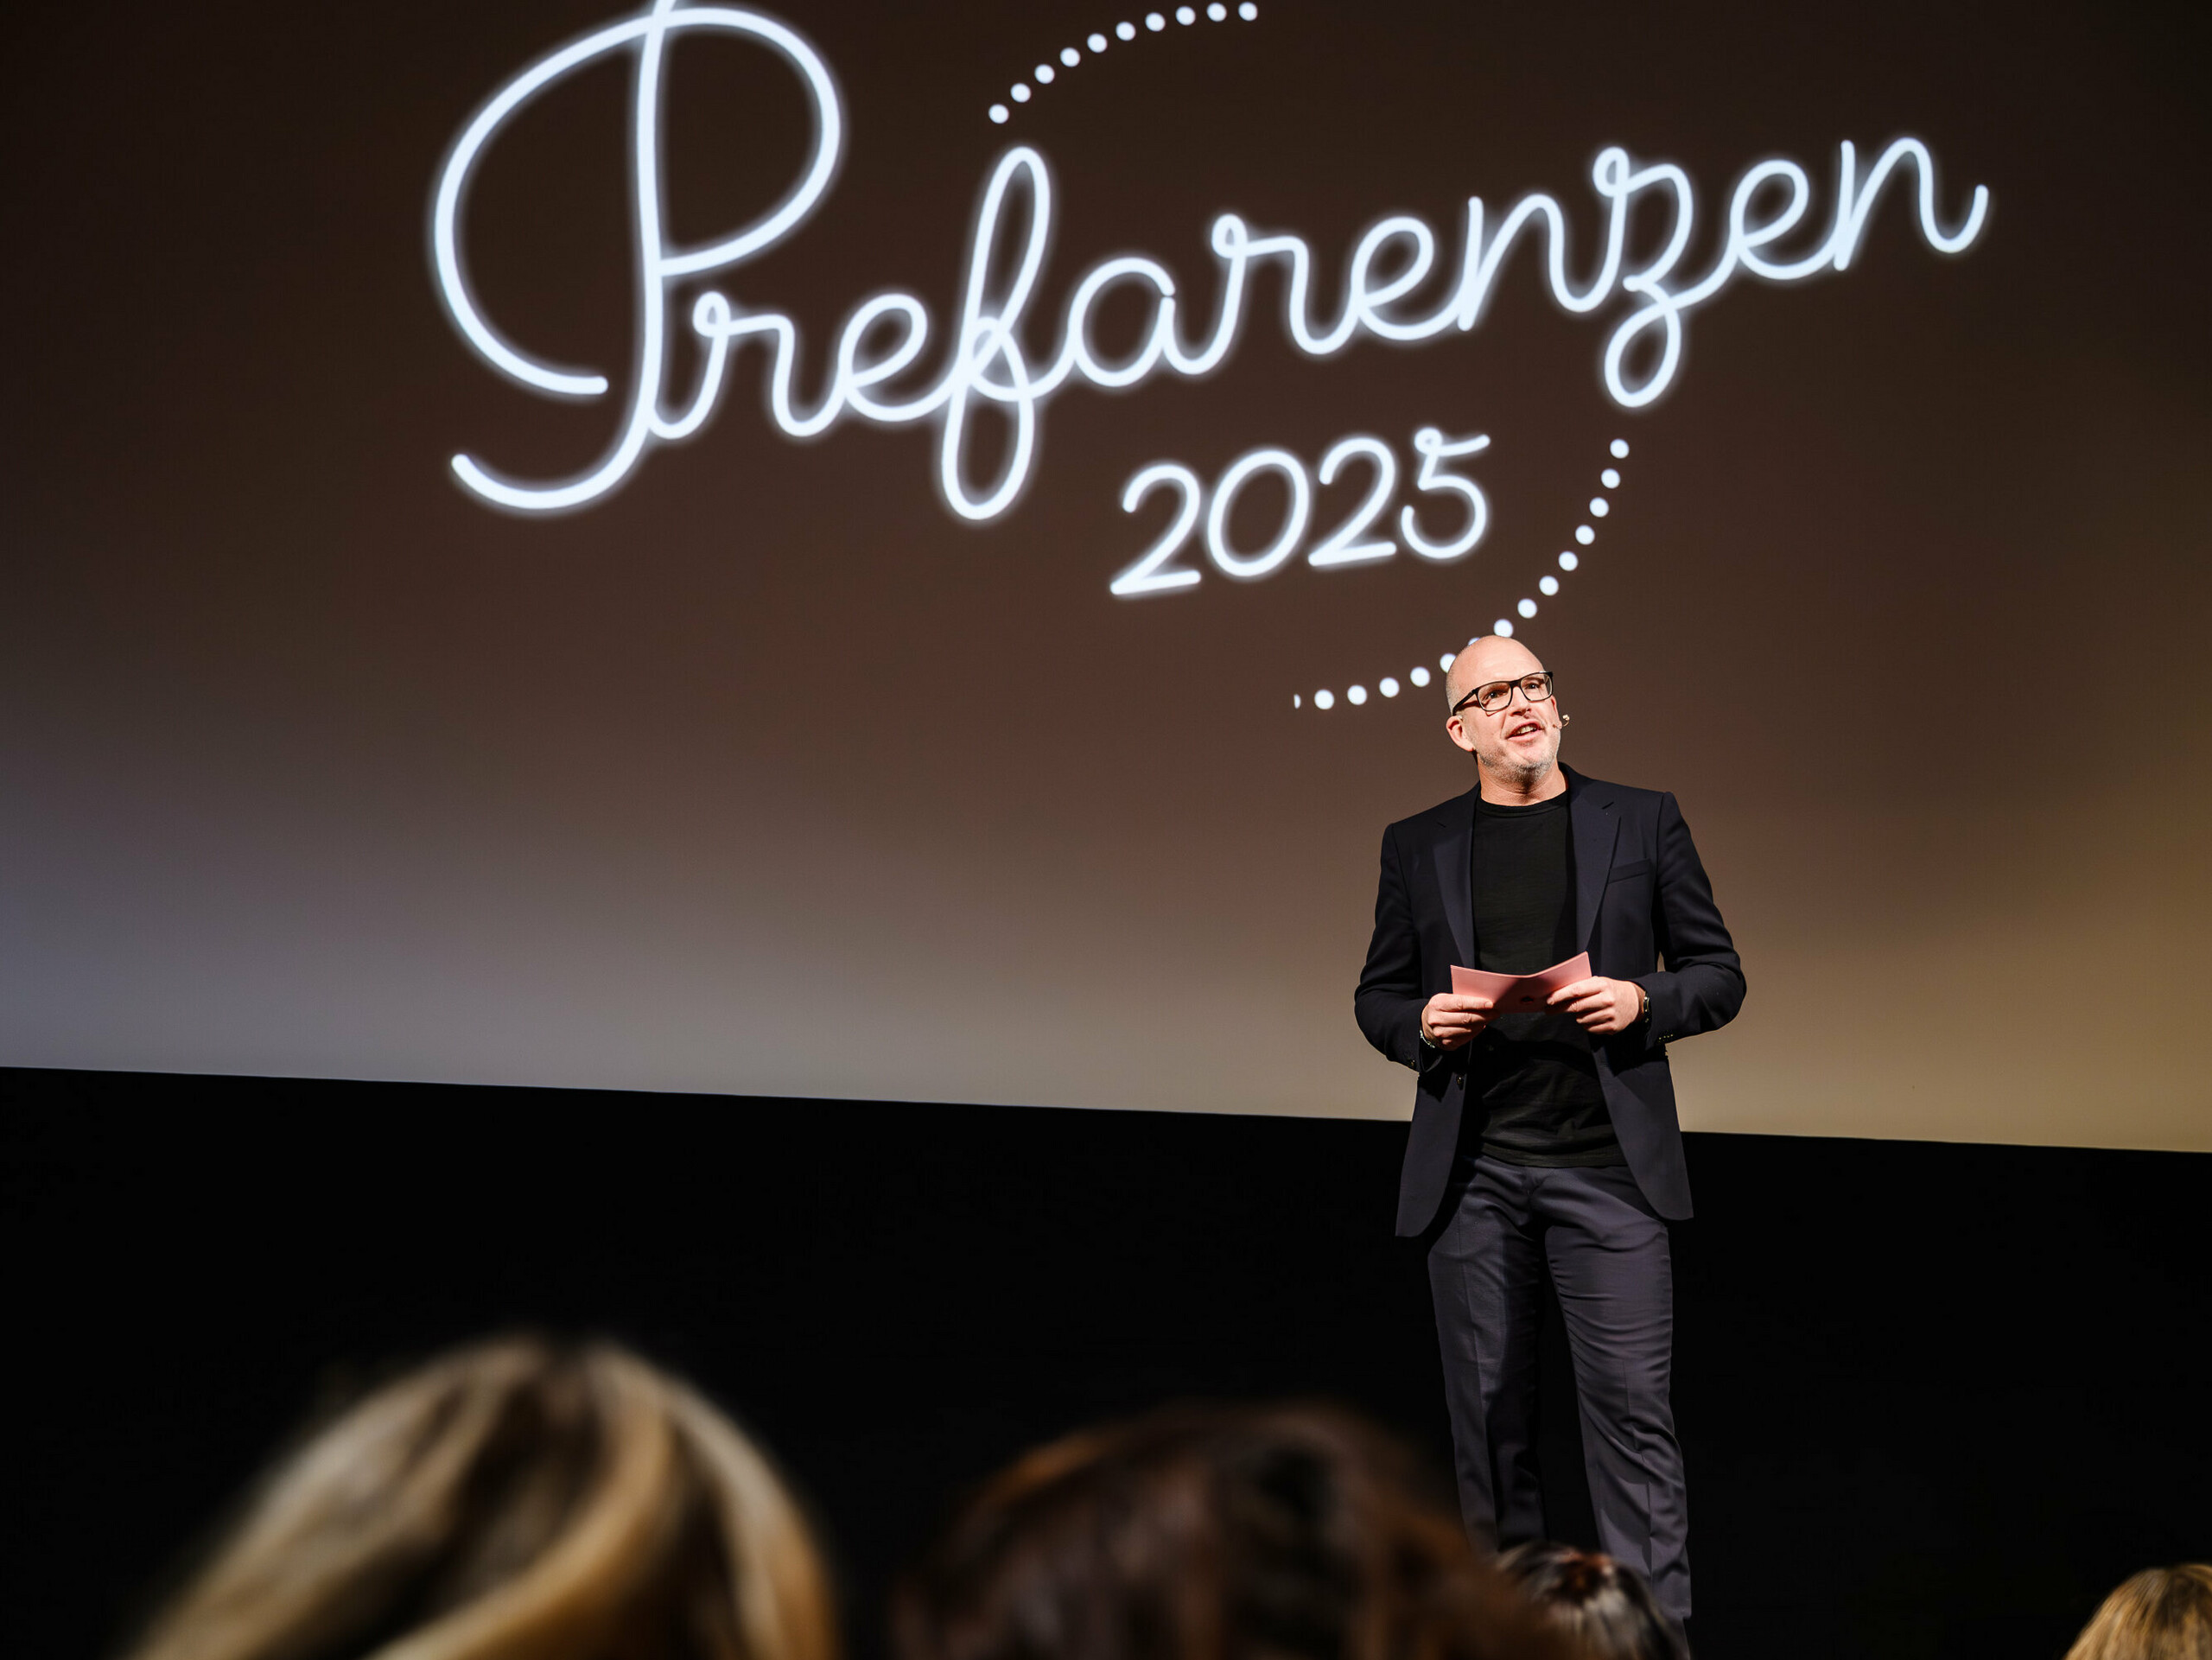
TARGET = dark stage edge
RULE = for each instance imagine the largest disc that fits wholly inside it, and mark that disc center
(1937, 1400)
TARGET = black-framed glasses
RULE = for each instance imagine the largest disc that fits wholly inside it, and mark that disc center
(1498, 694)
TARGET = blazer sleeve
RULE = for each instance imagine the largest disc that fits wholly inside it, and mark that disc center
(1388, 1002)
(1702, 986)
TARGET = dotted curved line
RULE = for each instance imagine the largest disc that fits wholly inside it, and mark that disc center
(1044, 74)
(1585, 534)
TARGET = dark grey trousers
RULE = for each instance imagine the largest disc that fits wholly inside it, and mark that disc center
(1608, 1255)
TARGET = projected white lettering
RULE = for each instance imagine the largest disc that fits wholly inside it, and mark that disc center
(1339, 547)
(985, 355)
(1151, 574)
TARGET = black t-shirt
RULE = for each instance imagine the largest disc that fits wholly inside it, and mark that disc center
(1532, 1076)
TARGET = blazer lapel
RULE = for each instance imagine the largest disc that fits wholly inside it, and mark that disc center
(1595, 827)
(1452, 850)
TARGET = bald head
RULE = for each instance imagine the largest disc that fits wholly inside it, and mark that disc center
(1515, 745)
(1488, 657)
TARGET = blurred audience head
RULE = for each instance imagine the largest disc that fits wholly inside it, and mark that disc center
(514, 1500)
(2163, 1613)
(1607, 1608)
(1212, 1534)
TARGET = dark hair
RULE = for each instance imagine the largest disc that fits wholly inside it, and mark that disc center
(1213, 1534)
(1605, 1606)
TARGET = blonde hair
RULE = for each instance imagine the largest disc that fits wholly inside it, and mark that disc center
(2163, 1613)
(514, 1501)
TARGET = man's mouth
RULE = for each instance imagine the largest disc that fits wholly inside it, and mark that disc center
(1522, 728)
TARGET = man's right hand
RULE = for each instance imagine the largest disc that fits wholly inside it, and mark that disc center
(1450, 1021)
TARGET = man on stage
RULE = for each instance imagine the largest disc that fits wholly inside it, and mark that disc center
(1548, 1141)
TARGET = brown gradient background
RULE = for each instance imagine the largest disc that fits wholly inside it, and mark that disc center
(768, 776)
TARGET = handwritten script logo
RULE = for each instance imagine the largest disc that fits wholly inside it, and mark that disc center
(987, 355)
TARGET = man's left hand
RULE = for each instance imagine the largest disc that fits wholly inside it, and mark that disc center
(1602, 1007)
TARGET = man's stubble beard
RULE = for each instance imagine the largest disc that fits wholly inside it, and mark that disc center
(1523, 775)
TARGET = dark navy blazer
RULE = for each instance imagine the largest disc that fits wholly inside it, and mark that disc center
(1644, 912)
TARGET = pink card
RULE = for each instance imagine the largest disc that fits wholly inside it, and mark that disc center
(1518, 994)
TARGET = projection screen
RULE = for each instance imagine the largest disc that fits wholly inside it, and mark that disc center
(909, 551)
